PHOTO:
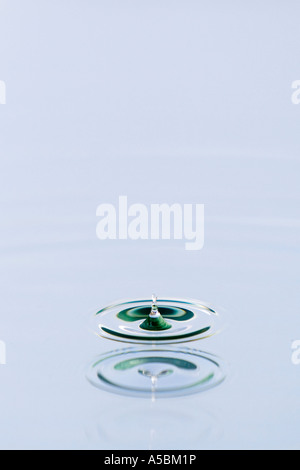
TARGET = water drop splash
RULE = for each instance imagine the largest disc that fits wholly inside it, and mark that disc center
(154, 310)
(141, 321)
(155, 321)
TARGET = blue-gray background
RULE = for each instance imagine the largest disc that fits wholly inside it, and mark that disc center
(162, 101)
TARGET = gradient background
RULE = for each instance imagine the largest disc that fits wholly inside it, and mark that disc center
(162, 101)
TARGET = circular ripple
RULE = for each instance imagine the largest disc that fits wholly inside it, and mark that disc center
(189, 320)
(156, 372)
(153, 425)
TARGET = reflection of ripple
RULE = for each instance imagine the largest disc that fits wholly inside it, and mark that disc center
(188, 320)
(156, 372)
(159, 425)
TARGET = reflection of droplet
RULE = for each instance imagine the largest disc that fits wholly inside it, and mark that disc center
(183, 321)
(152, 375)
(172, 372)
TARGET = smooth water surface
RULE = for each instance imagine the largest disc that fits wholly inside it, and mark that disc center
(164, 102)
